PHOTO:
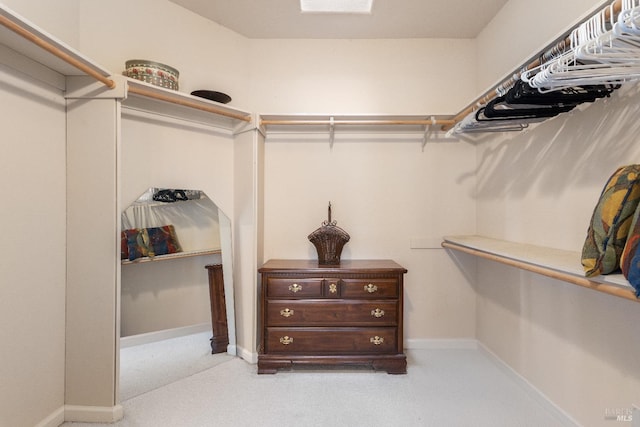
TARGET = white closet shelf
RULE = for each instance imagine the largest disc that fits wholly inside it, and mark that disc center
(20, 35)
(178, 255)
(555, 263)
(145, 96)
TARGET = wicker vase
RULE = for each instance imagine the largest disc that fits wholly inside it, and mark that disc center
(329, 240)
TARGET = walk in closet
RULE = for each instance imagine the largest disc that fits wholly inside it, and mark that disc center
(489, 225)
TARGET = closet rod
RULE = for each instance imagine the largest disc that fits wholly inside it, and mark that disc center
(267, 122)
(557, 47)
(554, 274)
(56, 52)
(186, 103)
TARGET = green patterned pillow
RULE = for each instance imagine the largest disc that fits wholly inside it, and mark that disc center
(630, 260)
(138, 243)
(611, 221)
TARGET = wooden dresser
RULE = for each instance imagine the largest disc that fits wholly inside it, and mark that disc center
(347, 314)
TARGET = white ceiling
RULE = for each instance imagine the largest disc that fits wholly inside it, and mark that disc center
(389, 18)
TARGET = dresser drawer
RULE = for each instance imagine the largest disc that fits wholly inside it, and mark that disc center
(369, 288)
(332, 313)
(278, 287)
(334, 341)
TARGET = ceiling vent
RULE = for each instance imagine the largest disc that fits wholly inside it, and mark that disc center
(336, 6)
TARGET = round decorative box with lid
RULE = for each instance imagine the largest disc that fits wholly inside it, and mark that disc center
(152, 72)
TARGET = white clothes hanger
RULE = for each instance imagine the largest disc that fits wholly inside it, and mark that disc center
(619, 45)
(601, 52)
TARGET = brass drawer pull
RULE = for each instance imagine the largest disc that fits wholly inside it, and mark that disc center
(375, 340)
(371, 288)
(286, 312)
(333, 288)
(287, 340)
(377, 313)
(295, 288)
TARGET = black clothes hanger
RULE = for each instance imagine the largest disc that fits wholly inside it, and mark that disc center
(522, 101)
(523, 93)
(499, 109)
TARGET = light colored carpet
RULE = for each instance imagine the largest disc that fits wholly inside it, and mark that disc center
(149, 366)
(441, 388)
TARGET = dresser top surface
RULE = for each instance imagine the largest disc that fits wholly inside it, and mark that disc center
(275, 265)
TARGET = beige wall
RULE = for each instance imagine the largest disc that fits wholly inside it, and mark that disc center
(540, 187)
(412, 76)
(575, 345)
(520, 30)
(93, 275)
(165, 295)
(32, 266)
(58, 18)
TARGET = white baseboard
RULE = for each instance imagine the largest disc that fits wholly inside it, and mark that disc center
(165, 334)
(93, 414)
(54, 419)
(232, 349)
(441, 344)
(563, 417)
(247, 355)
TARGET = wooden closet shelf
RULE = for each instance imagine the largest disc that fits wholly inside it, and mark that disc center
(177, 255)
(555, 263)
(22, 36)
(147, 90)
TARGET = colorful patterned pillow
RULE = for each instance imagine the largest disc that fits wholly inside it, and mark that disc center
(630, 260)
(610, 222)
(163, 240)
(149, 242)
(124, 247)
(137, 243)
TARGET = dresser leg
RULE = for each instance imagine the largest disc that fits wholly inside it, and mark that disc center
(392, 366)
(272, 366)
(219, 344)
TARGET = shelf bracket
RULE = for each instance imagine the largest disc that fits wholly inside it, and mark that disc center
(425, 138)
(332, 131)
(427, 130)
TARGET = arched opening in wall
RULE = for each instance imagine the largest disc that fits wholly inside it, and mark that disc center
(176, 311)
